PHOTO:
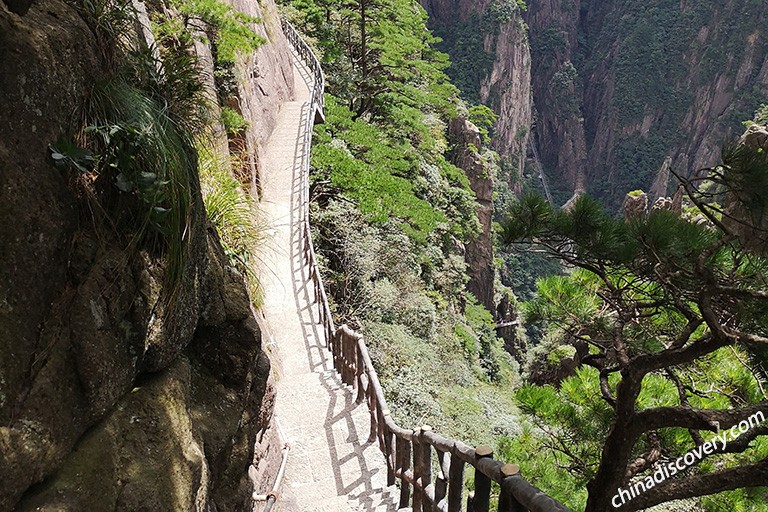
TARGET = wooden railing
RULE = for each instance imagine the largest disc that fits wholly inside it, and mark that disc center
(310, 60)
(411, 455)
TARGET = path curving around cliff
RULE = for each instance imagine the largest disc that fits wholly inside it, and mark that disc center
(333, 466)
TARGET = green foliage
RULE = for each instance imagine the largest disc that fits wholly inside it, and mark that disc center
(149, 157)
(470, 62)
(659, 54)
(230, 30)
(379, 181)
(467, 339)
(465, 41)
(68, 156)
(651, 286)
(230, 210)
(392, 214)
(233, 122)
(108, 20)
(550, 41)
(761, 115)
(386, 176)
(575, 293)
(573, 408)
(137, 139)
(503, 11)
(542, 465)
(485, 119)
(491, 352)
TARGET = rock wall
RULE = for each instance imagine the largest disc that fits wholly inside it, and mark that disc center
(507, 90)
(556, 88)
(621, 86)
(506, 82)
(109, 399)
(499, 39)
(479, 252)
(618, 87)
(266, 82)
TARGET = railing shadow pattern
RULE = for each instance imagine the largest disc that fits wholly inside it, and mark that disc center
(411, 455)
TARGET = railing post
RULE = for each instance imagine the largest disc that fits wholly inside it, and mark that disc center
(388, 447)
(403, 455)
(373, 434)
(507, 502)
(455, 484)
(441, 480)
(337, 344)
(360, 372)
(329, 342)
(417, 469)
(481, 502)
(380, 427)
(346, 376)
(352, 354)
(422, 469)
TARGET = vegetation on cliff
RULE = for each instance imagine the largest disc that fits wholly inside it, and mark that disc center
(637, 82)
(148, 124)
(392, 215)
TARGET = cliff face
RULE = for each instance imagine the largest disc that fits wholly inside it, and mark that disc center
(618, 87)
(556, 89)
(479, 252)
(110, 396)
(621, 86)
(491, 64)
(507, 90)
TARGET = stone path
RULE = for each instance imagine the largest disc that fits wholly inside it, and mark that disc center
(332, 465)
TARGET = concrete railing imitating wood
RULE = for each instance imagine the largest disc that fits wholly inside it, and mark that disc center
(411, 455)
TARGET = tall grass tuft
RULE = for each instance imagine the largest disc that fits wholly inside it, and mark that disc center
(152, 159)
(231, 211)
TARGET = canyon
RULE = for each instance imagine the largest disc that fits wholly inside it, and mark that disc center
(611, 89)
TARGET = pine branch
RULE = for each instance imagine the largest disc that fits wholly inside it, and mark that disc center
(751, 475)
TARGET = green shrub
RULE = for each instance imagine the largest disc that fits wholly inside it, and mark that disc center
(417, 313)
(231, 30)
(149, 157)
(233, 122)
(485, 119)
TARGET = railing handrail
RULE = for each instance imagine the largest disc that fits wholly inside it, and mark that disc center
(317, 98)
(352, 361)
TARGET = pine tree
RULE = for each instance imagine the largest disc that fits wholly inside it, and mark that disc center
(668, 311)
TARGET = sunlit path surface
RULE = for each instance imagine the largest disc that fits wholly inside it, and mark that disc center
(332, 466)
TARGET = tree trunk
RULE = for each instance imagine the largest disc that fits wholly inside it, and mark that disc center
(617, 450)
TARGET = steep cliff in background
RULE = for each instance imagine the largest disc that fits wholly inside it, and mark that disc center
(111, 396)
(491, 64)
(618, 87)
(621, 86)
(557, 88)
(479, 251)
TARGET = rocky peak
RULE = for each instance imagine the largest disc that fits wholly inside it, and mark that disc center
(479, 252)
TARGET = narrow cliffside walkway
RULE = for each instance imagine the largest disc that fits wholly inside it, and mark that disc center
(332, 466)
